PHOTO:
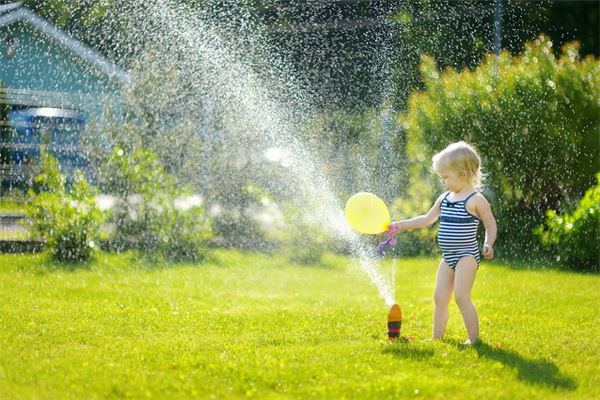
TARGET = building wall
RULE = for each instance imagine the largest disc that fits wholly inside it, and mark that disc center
(45, 73)
(43, 83)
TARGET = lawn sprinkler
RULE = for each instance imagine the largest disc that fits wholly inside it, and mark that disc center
(394, 322)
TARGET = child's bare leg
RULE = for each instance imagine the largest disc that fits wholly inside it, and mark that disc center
(463, 283)
(441, 297)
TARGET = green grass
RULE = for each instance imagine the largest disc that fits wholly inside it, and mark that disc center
(245, 325)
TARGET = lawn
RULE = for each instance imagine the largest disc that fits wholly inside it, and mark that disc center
(250, 325)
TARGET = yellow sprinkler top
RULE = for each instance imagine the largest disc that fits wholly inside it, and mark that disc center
(395, 313)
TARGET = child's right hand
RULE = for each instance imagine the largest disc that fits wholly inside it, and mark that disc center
(395, 227)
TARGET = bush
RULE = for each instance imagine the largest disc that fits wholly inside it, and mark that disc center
(236, 230)
(535, 120)
(574, 237)
(67, 219)
(236, 225)
(187, 233)
(145, 215)
(357, 150)
(418, 242)
(302, 239)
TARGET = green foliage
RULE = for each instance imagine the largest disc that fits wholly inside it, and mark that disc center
(459, 34)
(13, 200)
(235, 225)
(574, 237)
(67, 218)
(185, 234)
(154, 116)
(535, 120)
(237, 230)
(162, 118)
(68, 13)
(302, 238)
(358, 150)
(414, 201)
(145, 215)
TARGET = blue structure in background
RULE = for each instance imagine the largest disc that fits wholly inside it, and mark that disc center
(61, 128)
(51, 85)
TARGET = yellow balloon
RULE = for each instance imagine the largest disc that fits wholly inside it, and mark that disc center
(367, 213)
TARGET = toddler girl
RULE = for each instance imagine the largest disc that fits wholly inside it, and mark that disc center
(459, 210)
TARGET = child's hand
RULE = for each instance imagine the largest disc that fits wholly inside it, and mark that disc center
(395, 227)
(488, 252)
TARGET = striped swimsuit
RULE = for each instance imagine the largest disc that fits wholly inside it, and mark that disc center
(457, 232)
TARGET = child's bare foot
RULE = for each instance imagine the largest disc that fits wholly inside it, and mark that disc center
(431, 339)
(470, 342)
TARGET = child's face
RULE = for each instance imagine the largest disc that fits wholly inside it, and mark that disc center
(452, 180)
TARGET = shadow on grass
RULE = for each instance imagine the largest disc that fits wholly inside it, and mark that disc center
(51, 266)
(408, 350)
(43, 263)
(537, 372)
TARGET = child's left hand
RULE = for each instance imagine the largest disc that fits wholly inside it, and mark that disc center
(488, 252)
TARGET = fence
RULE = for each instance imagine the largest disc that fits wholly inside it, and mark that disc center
(15, 237)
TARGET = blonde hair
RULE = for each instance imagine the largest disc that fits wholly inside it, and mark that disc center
(460, 156)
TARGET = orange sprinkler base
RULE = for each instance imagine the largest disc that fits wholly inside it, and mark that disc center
(394, 322)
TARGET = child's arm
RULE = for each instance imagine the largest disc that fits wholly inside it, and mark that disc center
(484, 211)
(422, 220)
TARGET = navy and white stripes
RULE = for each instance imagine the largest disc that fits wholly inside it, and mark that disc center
(457, 232)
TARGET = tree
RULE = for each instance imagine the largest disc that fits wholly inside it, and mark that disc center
(459, 34)
(535, 119)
